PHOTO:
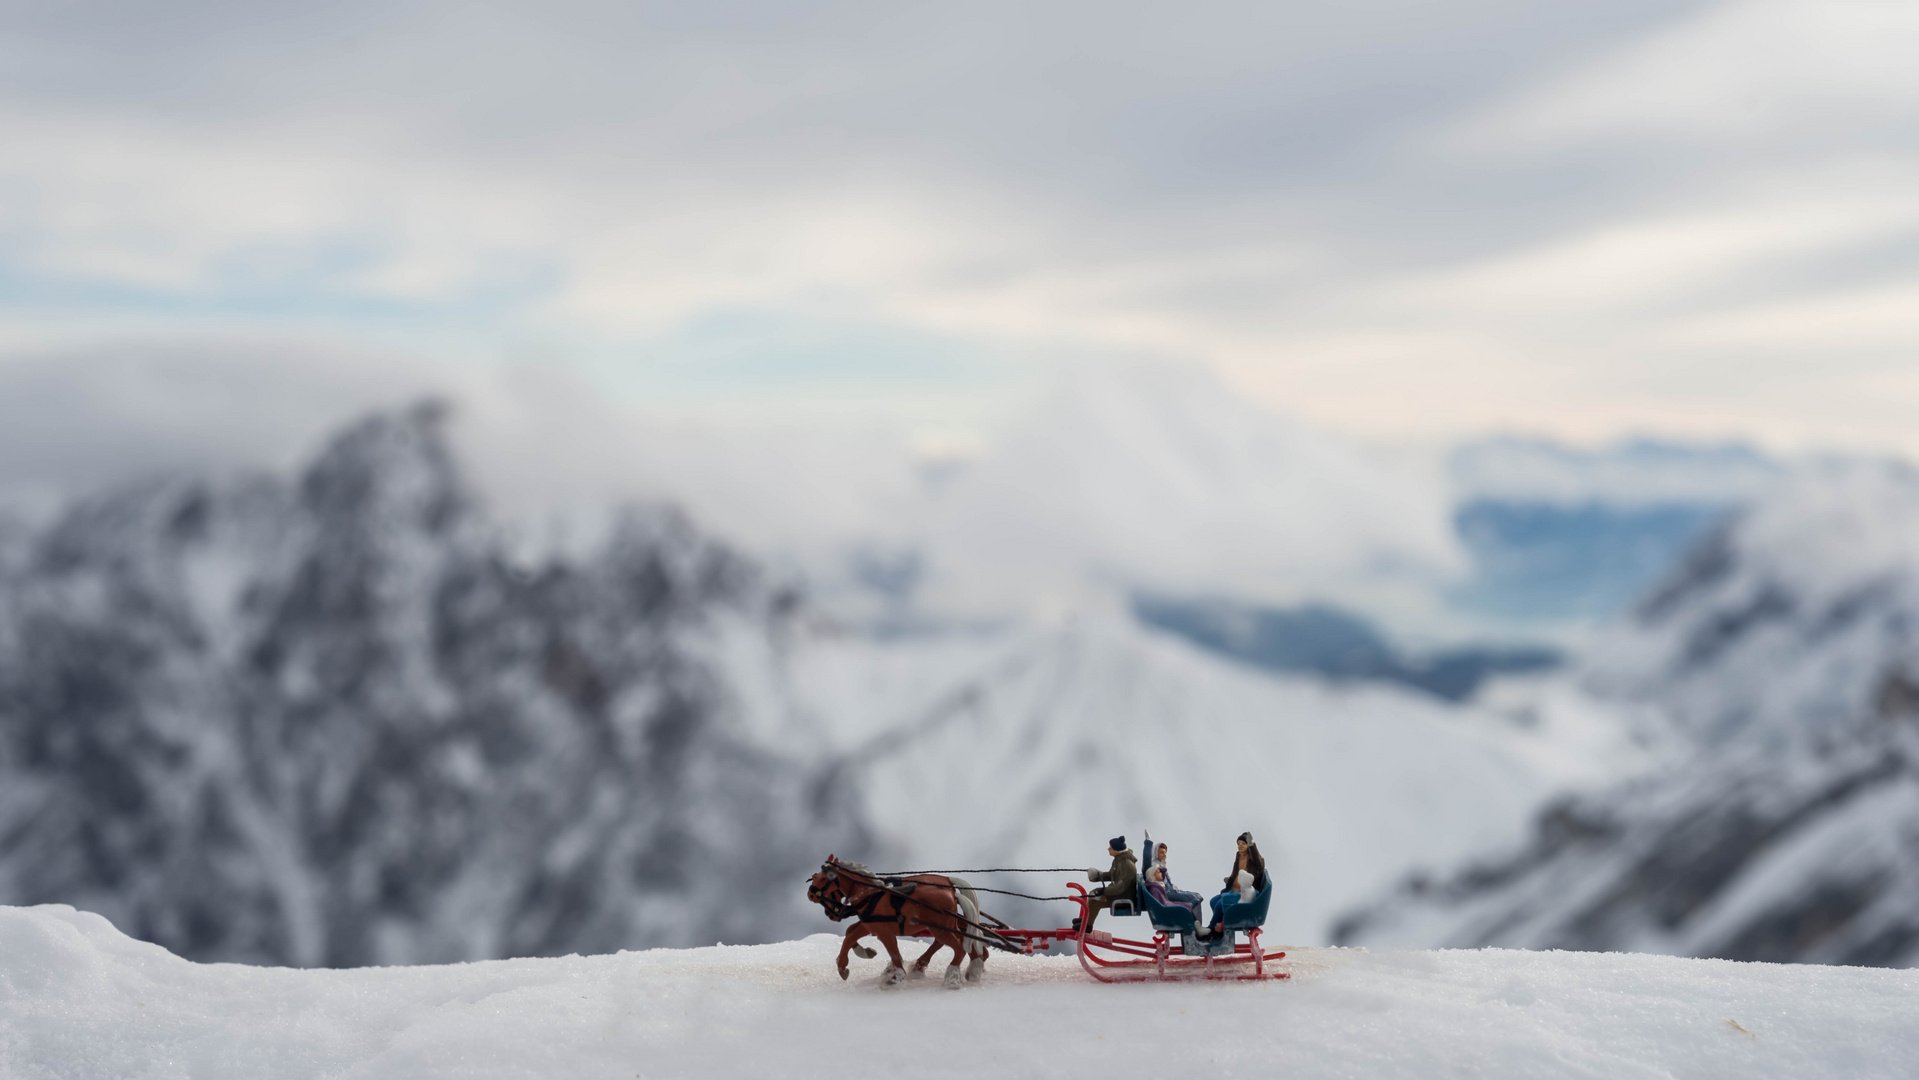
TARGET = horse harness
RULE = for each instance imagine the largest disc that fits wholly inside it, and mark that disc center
(867, 910)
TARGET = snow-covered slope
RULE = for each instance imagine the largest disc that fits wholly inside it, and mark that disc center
(1032, 749)
(78, 1000)
(332, 721)
(1781, 668)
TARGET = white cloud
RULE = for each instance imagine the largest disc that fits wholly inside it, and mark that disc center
(73, 421)
(1616, 272)
(1400, 219)
(1771, 74)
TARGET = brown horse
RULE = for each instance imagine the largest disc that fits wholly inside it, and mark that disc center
(924, 905)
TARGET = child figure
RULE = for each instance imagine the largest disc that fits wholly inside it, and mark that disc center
(1161, 885)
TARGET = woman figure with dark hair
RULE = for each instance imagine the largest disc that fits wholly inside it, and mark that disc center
(1243, 882)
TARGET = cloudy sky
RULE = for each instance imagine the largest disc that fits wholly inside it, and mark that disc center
(1401, 220)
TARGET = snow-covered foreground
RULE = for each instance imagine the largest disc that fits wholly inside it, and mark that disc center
(78, 999)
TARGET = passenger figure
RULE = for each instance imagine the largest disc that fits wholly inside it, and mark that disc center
(1243, 881)
(1161, 886)
(1122, 881)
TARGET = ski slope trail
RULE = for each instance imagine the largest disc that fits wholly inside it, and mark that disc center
(79, 999)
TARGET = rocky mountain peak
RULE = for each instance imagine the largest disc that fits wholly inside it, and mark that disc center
(329, 721)
(391, 468)
(1781, 622)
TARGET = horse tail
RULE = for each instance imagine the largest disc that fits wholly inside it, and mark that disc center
(969, 910)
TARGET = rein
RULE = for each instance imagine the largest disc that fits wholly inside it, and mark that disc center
(985, 935)
(892, 874)
(867, 911)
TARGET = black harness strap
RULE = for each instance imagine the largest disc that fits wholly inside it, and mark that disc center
(868, 910)
(904, 890)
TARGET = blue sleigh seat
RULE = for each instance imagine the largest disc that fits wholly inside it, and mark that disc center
(1171, 918)
(1251, 914)
(1178, 918)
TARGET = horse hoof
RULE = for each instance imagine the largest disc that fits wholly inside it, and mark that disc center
(916, 973)
(953, 980)
(975, 969)
(864, 953)
(893, 977)
(843, 974)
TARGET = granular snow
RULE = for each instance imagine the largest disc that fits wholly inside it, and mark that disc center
(78, 999)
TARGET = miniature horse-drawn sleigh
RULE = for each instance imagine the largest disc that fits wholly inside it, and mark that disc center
(946, 909)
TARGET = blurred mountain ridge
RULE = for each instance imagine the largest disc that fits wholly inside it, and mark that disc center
(1571, 535)
(346, 717)
(1634, 471)
(1779, 666)
(339, 718)
(1096, 482)
(330, 721)
(1323, 640)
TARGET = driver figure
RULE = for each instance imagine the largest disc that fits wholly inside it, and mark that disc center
(1122, 882)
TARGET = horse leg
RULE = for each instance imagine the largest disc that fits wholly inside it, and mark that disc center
(864, 952)
(889, 937)
(958, 945)
(919, 966)
(970, 918)
(849, 946)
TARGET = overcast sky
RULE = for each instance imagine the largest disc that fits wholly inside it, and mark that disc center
(1403, 220)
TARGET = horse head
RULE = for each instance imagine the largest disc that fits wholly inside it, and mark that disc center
(828, 890)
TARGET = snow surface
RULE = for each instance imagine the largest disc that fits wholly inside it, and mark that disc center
(80, 1000)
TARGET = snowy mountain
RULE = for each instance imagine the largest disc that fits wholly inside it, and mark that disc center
(344, 718)
(1780, 666)
(1030, 749)
(334, 721)
(78, 999)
